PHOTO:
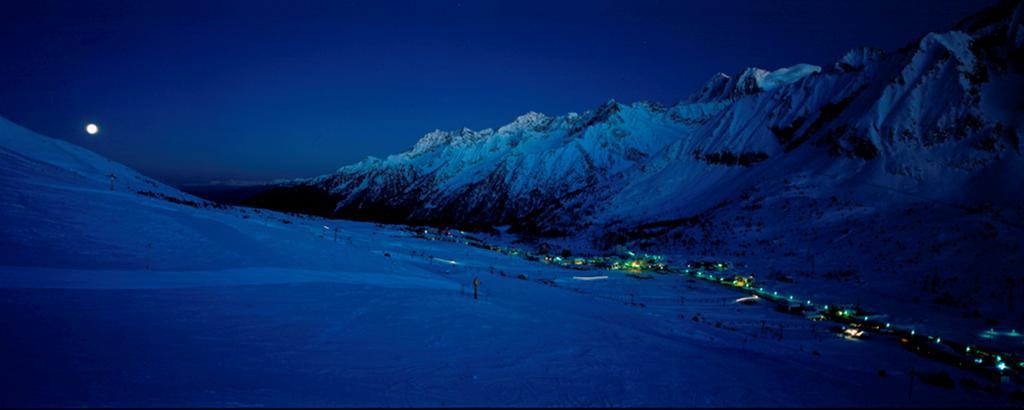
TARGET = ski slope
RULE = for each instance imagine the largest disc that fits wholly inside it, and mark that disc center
(136, 294)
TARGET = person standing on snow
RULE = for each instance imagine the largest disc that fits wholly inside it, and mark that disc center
(476, 284)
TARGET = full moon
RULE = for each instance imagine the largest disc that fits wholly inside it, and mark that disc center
(92, 129)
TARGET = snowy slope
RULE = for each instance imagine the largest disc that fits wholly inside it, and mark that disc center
(123, 298)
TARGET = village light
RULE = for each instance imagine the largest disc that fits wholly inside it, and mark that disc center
(649, 262)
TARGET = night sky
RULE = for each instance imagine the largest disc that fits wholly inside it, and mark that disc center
(190, 92)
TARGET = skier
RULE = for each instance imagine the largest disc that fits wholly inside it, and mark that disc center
(476, 284)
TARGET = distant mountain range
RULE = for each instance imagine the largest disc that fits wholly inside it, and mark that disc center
(940, 117)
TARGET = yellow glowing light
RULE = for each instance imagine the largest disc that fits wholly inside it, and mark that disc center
(92, 129)
(851, 332)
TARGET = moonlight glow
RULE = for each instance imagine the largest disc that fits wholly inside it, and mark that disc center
(92, 129)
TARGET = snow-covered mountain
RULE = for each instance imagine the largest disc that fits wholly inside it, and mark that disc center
(888, 175)
(938, 116)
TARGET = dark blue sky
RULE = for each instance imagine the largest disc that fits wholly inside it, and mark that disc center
(254, 90)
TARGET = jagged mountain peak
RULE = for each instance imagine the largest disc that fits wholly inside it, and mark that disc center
(611, 106)
(530, 117)
(753, 80)
(530, 120)
(431, 140)
(456, 138)
(651, 106)
(606, 109)
(750, 81)
(956, 43)
(858, 58)
(713, 89)
(787, 75)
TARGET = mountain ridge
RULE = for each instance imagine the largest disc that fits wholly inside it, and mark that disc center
(906, 108)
